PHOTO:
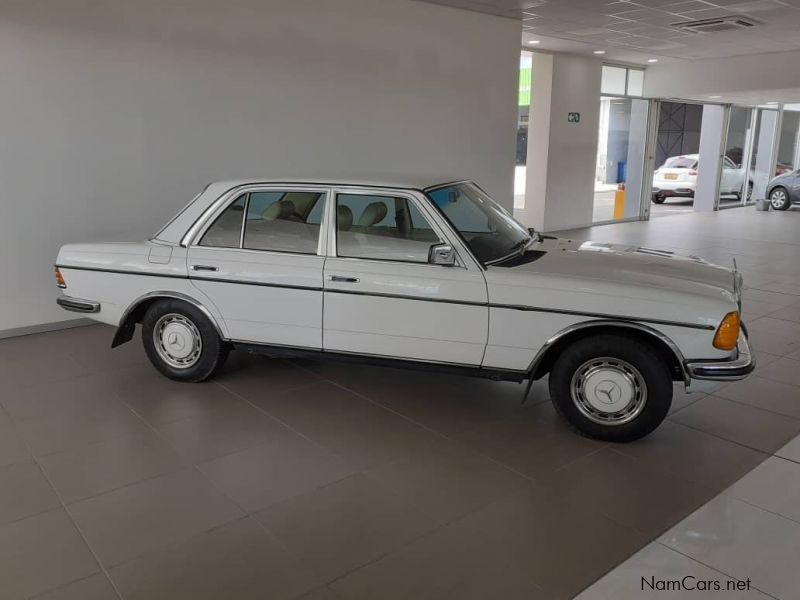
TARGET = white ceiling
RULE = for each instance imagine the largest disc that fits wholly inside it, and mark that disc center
(636, 30)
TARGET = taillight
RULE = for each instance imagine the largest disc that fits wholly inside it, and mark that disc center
(60, 279)
(692, 172)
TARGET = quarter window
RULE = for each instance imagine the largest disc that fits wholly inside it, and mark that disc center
(382, 228)
(226, 231)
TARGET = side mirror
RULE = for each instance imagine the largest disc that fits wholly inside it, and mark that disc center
(535, 235)
(442, 254)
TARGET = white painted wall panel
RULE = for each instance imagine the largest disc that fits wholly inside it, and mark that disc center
(115, 114)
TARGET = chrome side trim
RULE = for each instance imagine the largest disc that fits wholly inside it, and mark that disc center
(177, 296)
(731, 369)
(78, 305)
(613, 323)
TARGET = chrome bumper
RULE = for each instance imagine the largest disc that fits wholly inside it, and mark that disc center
(77, 305)
(724, 370)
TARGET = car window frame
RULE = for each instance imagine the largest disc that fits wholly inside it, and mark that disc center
(421, 206)
(231, 196)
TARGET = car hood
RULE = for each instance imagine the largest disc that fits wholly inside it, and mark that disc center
(617, 279)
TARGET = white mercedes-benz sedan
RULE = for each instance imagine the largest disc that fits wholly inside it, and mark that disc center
(422, 276)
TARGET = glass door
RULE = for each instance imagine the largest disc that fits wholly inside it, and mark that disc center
(734, 189)
(621, 159)
(761, 166)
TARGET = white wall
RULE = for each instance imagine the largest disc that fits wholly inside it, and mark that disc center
(561, 155)
(737, 74)
(114, 114)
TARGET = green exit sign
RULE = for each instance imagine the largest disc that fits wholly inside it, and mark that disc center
(574, 117)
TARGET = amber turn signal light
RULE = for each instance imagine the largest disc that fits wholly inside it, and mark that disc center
(60, 279)
(728, 332)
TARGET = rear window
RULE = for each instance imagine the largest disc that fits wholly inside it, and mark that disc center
(680, 162)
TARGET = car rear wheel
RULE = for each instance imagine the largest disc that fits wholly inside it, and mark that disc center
(611, 387)
(181, 342)
(658, 198)
(779, 199)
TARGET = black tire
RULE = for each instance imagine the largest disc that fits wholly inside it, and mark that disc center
(208, 355)
(779, 198)
(649, 370)
(749, 192)
(658, 199)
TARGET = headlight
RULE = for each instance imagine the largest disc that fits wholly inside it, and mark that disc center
(727, 334)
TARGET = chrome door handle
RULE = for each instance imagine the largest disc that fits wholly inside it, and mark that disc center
(203, 268)
(343, 279)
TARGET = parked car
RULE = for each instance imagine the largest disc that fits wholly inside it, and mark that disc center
(421, 276)
(784, 190)
(677, 177)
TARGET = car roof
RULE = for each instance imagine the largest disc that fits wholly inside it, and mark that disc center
(176, 228)
(414, 182)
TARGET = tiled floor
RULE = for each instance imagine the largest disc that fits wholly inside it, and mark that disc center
(297, 479)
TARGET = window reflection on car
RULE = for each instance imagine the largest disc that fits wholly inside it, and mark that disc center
(491, 233)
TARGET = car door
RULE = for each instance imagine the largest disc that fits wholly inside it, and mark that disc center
(382, 295)
(260, 260)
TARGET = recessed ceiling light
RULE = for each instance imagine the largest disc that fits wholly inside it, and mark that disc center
(652, 60)
(772, 102)
(599, 51)
(715, 97)
(534, 41)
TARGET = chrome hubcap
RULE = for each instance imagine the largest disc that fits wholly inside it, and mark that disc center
(778, 198)
(608, 391)
(177, 341)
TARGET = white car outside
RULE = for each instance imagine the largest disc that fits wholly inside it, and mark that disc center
(418, 275)
(678, 177)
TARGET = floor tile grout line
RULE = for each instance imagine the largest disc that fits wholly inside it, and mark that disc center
(77, 527)
(716, 570)
(767, 410)
(721, 437)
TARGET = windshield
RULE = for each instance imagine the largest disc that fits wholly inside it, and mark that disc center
(680, 162)
(487, 228)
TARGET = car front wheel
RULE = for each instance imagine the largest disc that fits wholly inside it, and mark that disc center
(611, 387)
(181, 341)
(779, 199)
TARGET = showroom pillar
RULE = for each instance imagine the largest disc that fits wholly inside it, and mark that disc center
(712, 147)
(765, 151)
(562, 141)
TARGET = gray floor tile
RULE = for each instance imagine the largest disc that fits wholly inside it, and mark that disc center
(104, 466)
(95, 587)
(753, 427)
(40, 553)
(524, 545)
(768, 394)
(13, 448)
(629, 491)
(129, 521)
(693, 455)
(227, 429)
(447, 480)
(734, 537)
(646, 574)
(24, 492)
(785, 370)
(265, 475)
(67, 431)
(344, 525)
(237, 560)
(774, 486)
(791, 450)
